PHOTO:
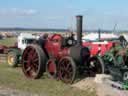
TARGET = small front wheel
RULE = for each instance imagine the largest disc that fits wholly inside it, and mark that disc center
(96, 66)
(67, 70)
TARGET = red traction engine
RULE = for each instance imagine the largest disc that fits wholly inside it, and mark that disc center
(61, 57)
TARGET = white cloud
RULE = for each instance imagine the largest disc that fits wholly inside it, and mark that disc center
(18, 12)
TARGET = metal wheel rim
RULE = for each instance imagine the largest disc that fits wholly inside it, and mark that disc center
(10, 59)
(95, 66)
(30, 62)
(65, 70)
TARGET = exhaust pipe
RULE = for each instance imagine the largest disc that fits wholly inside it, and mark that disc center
(99, 34)
(79, 26)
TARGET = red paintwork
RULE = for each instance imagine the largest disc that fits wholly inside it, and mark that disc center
(53, 47)
(95, 47)
(56, 37)
(51, 66)
(3, 48)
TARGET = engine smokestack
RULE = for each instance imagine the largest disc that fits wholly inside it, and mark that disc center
(79, 26)
(99, 34)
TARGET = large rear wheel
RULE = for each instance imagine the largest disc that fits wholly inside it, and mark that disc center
(67, 70)
(33, 62)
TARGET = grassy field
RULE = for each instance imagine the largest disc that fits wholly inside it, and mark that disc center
(8, 41)
(14, 78)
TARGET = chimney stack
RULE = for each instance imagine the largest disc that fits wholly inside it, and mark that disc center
(79, 26)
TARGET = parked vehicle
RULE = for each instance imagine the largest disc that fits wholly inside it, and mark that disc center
(14, 53)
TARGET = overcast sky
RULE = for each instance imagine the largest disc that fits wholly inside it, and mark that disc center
(102, 14)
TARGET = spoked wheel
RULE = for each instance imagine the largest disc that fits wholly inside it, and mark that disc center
(67, 70)
(33, 62)
(51, 68)
(96, 66)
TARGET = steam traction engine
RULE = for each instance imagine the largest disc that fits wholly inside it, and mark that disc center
(116, 62)
(62, 58)
(112, 54)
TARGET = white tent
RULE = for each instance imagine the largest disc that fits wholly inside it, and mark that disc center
(95, 36)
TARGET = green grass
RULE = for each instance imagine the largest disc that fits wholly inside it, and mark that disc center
(8, 41)
(15, 79)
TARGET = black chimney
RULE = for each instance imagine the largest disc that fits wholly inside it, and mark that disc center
(99, 34)
(79, 29)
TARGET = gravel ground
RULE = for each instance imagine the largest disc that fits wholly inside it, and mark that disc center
(13, 92)
(107, 90)
(100, 89)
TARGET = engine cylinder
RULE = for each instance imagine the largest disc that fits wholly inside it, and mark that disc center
(80, 54)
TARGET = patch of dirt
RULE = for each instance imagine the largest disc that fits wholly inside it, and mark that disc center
(100, 89)
(85, 84)
(13, 92)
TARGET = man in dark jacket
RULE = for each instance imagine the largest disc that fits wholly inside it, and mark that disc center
(42, 42)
